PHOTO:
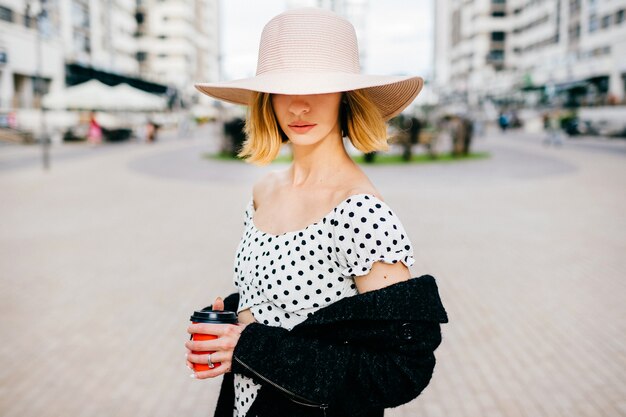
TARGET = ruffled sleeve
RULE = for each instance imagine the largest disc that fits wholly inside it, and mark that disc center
(366, 231)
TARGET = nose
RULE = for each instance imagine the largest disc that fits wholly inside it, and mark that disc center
(299, 105)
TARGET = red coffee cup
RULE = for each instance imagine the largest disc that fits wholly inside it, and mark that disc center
(212, 317)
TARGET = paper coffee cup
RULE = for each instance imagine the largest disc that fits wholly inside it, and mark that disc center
(211, 317)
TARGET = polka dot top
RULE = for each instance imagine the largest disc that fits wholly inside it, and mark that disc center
(283, 279)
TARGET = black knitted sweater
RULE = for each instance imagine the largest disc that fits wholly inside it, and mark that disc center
(355, 357)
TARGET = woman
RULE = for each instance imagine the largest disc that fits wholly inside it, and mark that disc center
(322, 268)
(94, 135)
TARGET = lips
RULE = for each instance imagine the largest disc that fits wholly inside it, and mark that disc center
(301, 124)
(301, 127)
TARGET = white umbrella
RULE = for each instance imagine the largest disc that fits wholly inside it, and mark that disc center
(94, 95)
(90, 95)
(131, 98)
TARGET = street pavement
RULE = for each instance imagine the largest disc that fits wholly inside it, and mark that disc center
(103, 258)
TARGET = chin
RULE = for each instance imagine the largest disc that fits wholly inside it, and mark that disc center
(302, 140)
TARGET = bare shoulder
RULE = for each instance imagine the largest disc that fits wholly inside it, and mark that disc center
(266, 185)
(359, 183)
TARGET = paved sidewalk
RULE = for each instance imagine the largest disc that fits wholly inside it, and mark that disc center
(104, 257)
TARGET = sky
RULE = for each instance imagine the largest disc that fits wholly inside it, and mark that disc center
(399, 36)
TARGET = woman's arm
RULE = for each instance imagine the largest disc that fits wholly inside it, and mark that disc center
(340, 374)
(382, 275)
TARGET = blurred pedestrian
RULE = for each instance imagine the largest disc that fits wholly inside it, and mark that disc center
(503, 121)
(184, 125)
(414, 127)
(468, 132)
(94, 133)
(151, 131)
(322, 266)
(552, 125)
(234, 131)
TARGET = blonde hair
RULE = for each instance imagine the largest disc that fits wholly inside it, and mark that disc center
(360, 121)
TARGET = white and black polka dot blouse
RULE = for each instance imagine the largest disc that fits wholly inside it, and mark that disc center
(285, 278)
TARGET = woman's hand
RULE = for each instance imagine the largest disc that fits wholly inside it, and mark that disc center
(222, 347)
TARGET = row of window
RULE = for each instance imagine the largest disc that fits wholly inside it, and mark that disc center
(28, 19)
(142, 56)
(595, 52)
(538, 22)
(606, 21)
(574, 6)
(528, 5)
(537, 45)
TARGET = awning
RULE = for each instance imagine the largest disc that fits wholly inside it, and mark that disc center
(76, 73)
(94, 95)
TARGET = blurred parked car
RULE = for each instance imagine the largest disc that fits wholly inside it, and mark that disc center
(79, 133)
(574, 126)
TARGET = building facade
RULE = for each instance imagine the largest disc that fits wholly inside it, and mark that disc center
(31, 61)
(179, 43)
(157, 45)
(571, 51)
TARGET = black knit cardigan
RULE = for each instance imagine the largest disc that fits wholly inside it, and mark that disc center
(355, 357)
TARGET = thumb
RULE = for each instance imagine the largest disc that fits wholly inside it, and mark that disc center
(218, 304)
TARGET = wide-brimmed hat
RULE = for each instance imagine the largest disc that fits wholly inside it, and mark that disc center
(314, 51)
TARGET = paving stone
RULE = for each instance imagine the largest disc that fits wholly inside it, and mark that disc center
(105, 256)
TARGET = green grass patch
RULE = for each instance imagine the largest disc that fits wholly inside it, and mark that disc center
(387, 159)
(380, 159)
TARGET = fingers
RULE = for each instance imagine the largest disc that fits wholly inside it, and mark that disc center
(218, 304)
(224, 359)
(215, 329)
(216, 357)
(215, 372)
(222, 343)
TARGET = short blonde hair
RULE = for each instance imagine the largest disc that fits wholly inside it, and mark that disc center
(360, 120)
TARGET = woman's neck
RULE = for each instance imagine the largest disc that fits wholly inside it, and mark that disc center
(318, 164)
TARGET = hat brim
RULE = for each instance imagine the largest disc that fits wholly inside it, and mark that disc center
(391, 94)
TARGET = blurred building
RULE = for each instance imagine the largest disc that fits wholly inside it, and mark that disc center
(21, 60)
(99, 34)
(160, 46)
(512, 51)
(178, 42)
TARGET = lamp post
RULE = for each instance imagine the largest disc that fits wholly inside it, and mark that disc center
(40, 14)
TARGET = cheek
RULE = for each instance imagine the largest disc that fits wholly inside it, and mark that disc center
(278, 107)
(331, 107)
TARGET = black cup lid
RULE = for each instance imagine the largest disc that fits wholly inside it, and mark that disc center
(212, 316)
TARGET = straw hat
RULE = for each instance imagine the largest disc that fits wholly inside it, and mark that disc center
(314, 51)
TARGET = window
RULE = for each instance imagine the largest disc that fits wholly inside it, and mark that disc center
(498, 14)
(80, 15)
(606, 21)
(619, 17)
(594, 24)
(6, 14)
(498, 36)
(574, 32)
(81, 43)
(495, 55)
(456, 27)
